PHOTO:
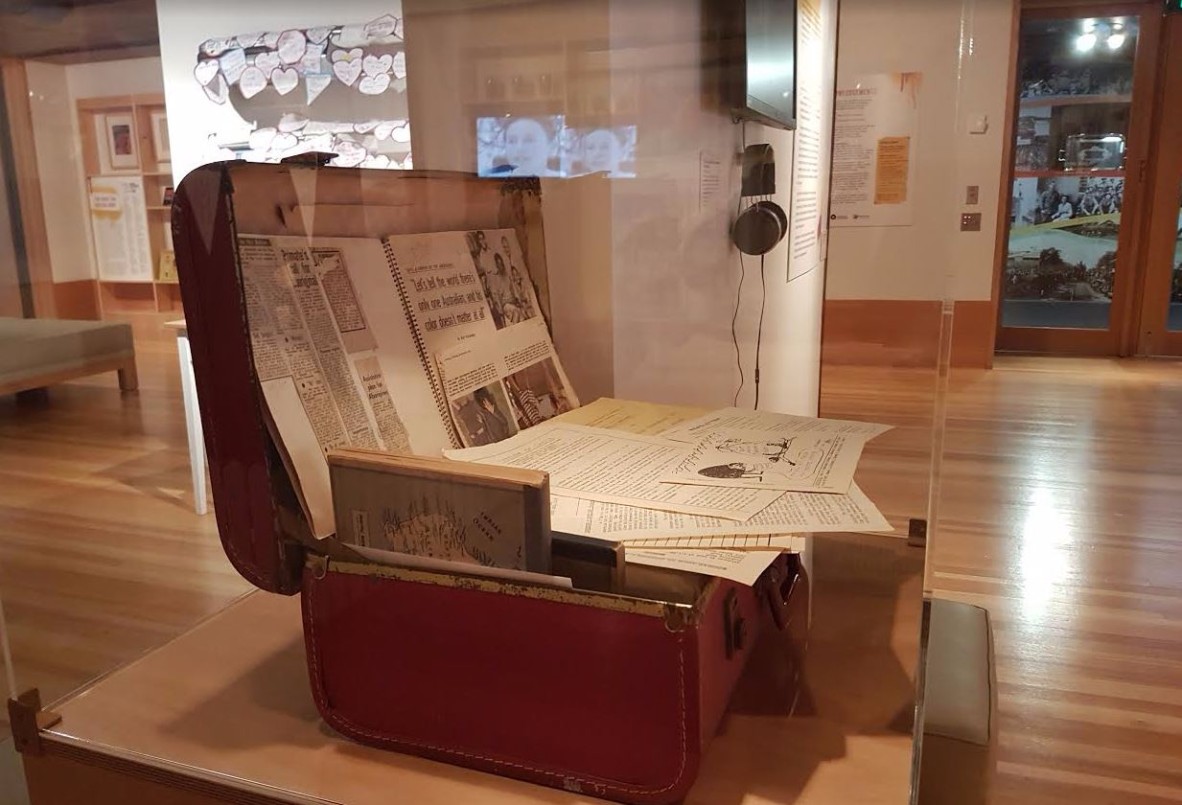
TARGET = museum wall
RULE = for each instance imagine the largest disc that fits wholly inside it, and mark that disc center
(59, 166)
(676, 272)
(885, 283)
(53, 92)
(642, 273)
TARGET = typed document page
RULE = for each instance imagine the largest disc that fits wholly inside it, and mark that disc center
(615, 467)
(790, 513)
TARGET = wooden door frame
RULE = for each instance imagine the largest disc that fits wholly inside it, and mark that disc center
(1124, 320)
(1165, 171)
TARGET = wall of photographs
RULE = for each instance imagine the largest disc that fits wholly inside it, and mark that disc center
(1069, 163)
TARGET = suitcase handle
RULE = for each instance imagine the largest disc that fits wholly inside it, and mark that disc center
(777, 590)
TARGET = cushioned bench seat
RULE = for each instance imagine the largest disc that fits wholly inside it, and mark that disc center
(40, 352)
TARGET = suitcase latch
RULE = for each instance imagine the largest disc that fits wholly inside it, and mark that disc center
(734, 627)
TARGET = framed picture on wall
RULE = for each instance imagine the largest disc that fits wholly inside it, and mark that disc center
(120, 139)
(160, 137)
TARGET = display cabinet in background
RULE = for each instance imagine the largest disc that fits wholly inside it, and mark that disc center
(126, 158)
(1072, 251)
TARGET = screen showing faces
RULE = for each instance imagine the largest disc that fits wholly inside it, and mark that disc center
(546, 146)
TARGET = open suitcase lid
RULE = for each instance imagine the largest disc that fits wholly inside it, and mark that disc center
(262, 527)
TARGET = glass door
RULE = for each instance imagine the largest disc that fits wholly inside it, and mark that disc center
(1081, 135)
(1161, 318)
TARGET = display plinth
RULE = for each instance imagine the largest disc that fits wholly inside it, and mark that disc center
(224, 714)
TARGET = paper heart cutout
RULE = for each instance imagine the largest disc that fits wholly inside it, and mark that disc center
(284, 80)
(321, 142)
(319, 34)
(408, 163)
(291, 121)
(346, 55)
(365, 127)
(248, 40)
(214, 47)
(381, 27)
(349, 154)
(380, 161)
(260, 139)
(399, 84)
(291, 46)
(270, 39)
(315, 84)
(351, 36)
(310, 61)
(205, 71)
(399, 64)
(284, 142)
(375, 65)
(233, 62)
(393, 128)
(374, 84)
(252, 82)
(347, 71)
(267, 61)
(217, 90)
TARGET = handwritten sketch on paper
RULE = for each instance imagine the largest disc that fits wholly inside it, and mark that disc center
(616, 467)
(806, 462)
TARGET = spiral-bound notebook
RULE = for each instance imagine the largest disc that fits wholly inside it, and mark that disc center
(345, 334)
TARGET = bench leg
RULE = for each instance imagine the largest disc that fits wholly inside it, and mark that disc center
(128, 377)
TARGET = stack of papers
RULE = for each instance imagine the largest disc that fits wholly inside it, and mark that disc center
(731, 481)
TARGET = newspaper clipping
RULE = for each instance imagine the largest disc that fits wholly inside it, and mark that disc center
(498, 386)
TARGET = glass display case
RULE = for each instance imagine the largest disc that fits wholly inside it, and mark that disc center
(581, 166)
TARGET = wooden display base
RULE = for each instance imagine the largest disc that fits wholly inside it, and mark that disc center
(223, 714)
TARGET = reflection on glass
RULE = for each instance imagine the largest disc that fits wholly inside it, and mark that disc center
(546, 146)
(1075, 88)
(1174, 320)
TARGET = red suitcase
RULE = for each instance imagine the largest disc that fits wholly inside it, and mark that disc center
(610, 695)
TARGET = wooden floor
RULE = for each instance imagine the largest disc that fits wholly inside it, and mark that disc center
(101, 554)
(1060, 510)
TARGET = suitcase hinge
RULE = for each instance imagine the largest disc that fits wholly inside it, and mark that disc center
(318, 565)
(27, 720)
(734, 627)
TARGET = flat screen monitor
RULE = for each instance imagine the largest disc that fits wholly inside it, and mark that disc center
(766, 62)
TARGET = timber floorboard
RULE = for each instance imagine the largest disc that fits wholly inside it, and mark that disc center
(102, 556)
(1060, 510)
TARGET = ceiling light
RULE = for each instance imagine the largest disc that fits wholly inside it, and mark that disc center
(1085, 42)
(1116, 40)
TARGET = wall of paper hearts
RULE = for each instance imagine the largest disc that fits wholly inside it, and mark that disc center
(285, 87)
